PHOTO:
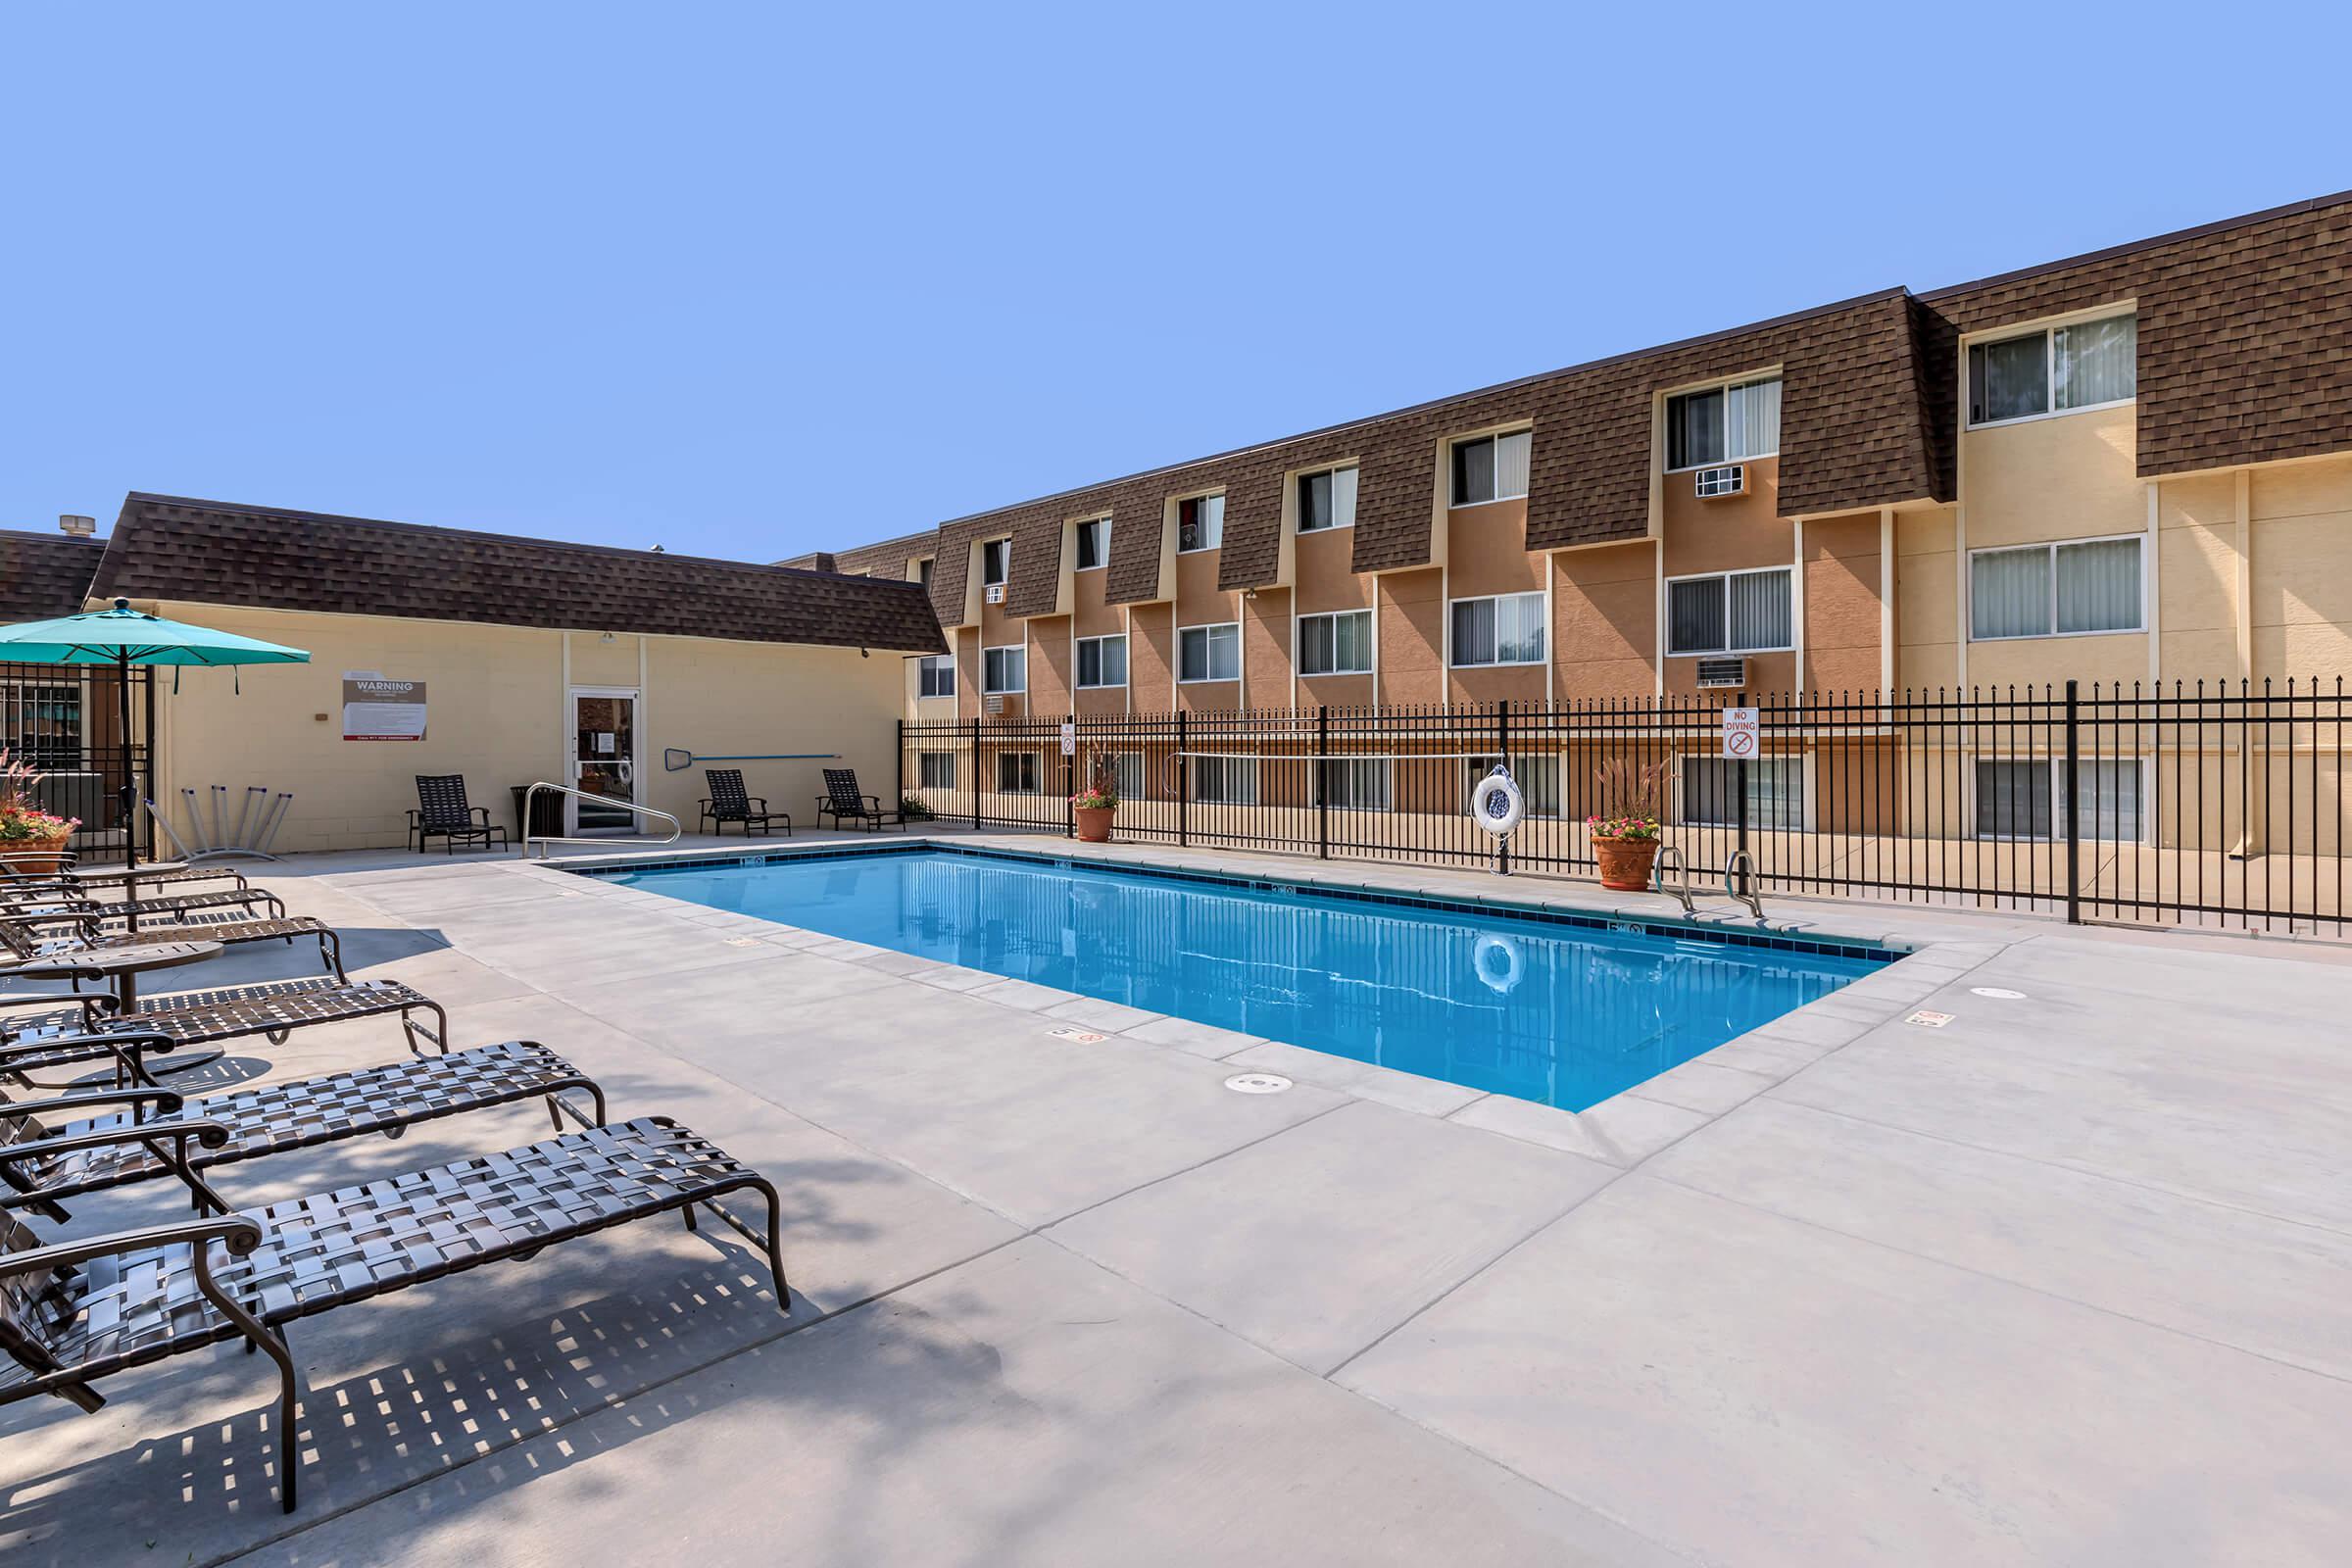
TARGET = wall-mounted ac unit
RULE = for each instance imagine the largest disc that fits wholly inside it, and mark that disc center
(994, 704)
(1726, 479)
(993, 593)
(1716, 674)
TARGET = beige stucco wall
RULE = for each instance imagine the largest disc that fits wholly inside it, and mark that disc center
(497, 713)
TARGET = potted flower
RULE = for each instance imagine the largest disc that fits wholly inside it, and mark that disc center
(1626, 828)
(1092, 805)
(30, 839)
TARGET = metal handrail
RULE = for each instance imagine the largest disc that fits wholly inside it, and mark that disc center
(530, 798)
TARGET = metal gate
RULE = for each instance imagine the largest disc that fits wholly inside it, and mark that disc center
(64, 720)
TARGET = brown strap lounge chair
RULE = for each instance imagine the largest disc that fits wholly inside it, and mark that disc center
(846, 804)
(87, 926)
(43, 1162)
(727, 802)
(119, 879)
(76, 1311)
(442, 813)
(27, 898)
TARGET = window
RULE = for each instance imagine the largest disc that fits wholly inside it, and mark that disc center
(1004, 670)
(1101, 662)
(1200, 522)
(1127, 769)
(1491, 467)
(2064, 590)
(996, 560)
(923, 571)
(1537, 778)
(934, 675)
(1327, 500)
(1335, 644)
(1016, 772)
(2020, 799)
(1225, 780)
(1776, 792)
(1354, 785)
(1209, 653)
(938, 770)
(1094, 543)
(2085, 366)
(1731, 613)
(1505, 630)
(1724, 424)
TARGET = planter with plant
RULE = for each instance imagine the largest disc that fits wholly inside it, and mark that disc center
(1093, 807)
(913, 809)
(1626, 828)
(32, 839)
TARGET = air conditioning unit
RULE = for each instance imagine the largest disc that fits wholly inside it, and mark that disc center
(1726, 479)
(1716, 674)
(993, 593)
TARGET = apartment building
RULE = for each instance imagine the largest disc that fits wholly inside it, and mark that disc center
(2131, 465)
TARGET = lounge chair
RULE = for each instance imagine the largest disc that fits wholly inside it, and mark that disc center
(42, 1163)
(845, 804)
(119, 878)
(727, 802)
(85, 925)
(19, 898)
(442, 813)
(76, 1311)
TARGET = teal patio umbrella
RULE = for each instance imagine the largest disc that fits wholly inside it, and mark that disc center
(124, 637)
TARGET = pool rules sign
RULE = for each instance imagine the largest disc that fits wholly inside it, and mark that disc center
(1741, 732)
(378, 709)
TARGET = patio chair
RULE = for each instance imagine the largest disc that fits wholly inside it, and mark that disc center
(85, 925)
(727, 802)
(442, 813)
(845, 803)
(119, 878)
(18, 898)
(72, 1312)
(42, 1163)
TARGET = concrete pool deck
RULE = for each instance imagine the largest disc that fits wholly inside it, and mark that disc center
(2067, 1280)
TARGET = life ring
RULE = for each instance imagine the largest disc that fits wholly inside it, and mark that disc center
(1506, 980)
(1498, 803)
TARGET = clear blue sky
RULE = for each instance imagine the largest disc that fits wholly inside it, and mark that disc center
(748, 280)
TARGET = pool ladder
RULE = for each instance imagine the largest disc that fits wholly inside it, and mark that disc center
(1738, 880)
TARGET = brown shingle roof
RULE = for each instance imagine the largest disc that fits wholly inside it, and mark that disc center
(208, 552)
(45, 575)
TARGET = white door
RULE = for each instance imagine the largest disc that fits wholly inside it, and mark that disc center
(604, 759)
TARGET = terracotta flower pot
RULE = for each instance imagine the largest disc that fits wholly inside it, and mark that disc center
(1625, 862)
(1094, 823)
(34, 855)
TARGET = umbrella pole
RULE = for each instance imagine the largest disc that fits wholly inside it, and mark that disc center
(131, 782)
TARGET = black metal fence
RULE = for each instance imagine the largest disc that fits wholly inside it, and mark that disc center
(66, 722)
(2209, 804)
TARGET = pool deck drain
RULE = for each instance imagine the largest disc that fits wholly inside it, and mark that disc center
(2060, 1282)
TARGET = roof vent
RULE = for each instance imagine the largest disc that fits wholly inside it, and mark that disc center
(78, 527)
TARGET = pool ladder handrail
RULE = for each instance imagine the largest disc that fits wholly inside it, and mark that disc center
(1671, 857)
(530, 798)
(1733, 883)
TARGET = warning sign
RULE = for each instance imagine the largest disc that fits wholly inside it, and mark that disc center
(1741, 732)
(378, 709)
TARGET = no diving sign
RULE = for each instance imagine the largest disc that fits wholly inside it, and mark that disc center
(1740, 731)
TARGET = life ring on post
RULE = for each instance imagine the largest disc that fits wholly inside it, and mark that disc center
(1504, 979)
(1498, 803)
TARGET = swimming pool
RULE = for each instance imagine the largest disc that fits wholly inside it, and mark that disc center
(1565, 1011)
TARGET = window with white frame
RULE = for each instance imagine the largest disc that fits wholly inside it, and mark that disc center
(1356, 784)
(1731, 613)
(1094, 543)
(1209, 653)
(1200, 522)
(1537, 778)
(922, 570)
(2084, 365)
(1490, 468)
(1336, 643)
(1724, 424)
(1327, 500)
(996, 562)
(934, 675)
(1225, 780)
(1101, 662)
(1776, 792)
(2063, 590)
(938, 770)
(1016, 772)
(2024, 798)
(1004, 670)
(1505, 629)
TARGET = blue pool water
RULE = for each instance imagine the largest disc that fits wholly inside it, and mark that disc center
(1563, 1014)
